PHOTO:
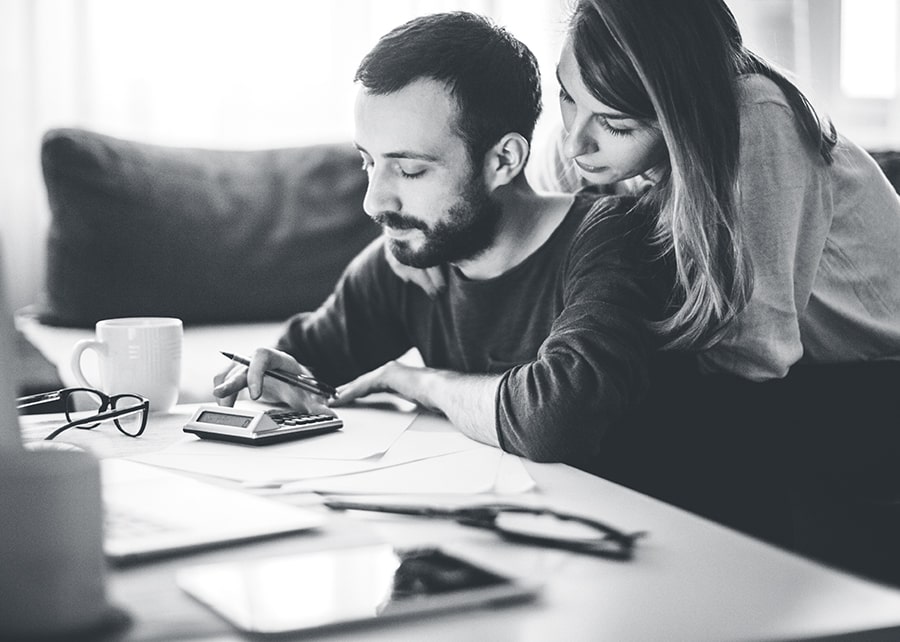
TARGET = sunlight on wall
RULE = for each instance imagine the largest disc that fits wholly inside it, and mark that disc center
(236, 72)
(244, 73)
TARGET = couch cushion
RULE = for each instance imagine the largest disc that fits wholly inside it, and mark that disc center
(210, 236)
(889, 161)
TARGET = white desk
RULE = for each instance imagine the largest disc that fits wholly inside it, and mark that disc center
(690, 579)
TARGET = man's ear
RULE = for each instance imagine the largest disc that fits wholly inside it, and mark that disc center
(505, 160)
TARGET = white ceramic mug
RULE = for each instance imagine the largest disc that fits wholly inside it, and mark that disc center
(138, 355)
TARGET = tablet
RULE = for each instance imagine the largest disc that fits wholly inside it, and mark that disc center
(346, 587)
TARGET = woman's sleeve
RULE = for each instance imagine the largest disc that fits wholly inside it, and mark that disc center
(592, 369)
(785, 213)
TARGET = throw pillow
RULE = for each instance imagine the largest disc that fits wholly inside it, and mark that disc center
(210, 236)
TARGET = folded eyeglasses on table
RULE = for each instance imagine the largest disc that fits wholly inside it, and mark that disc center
(87, 408)
(518, 523)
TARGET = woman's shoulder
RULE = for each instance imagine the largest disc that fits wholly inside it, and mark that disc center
(757, 89)
(771, 132)
(765, 110)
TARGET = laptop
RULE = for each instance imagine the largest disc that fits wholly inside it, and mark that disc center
(151, 512)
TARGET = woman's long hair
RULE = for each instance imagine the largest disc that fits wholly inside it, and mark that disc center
(677, 63)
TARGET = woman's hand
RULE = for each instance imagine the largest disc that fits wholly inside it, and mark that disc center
(429, 279)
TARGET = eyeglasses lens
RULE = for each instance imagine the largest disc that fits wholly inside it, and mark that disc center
(81, 404)
(547, 526)
(131, 423)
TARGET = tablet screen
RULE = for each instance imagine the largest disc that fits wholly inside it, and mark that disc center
(352, 585)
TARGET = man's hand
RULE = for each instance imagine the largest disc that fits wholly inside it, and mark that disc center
(429, 279)
(393, 376)
(466, 400)
(236, 377)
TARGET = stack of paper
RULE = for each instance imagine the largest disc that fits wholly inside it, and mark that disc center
(377, 452)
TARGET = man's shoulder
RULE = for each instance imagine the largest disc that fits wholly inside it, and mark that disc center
(369, 267)
(372, 254)
(615, 232)
(608, 216)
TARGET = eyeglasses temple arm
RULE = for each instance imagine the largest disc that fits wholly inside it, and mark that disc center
(103, 416)
(397, 509)
(33, 400)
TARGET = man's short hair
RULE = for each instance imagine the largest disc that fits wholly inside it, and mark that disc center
(493, 76)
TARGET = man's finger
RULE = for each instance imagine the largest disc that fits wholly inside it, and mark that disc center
(359, 387)
(230, 384)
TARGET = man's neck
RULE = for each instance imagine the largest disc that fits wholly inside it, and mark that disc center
(528, 219)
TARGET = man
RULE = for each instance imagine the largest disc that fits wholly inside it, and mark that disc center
(539, 342)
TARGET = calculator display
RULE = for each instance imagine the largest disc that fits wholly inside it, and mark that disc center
(259, 427)
(223, 419)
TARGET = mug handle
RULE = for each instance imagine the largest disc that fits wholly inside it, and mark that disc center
(77, 351)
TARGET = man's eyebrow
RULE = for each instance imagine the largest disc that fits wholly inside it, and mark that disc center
(401, 154)
(608, 115)
(430, 158)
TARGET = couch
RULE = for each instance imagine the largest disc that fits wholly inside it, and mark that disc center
(231, 242)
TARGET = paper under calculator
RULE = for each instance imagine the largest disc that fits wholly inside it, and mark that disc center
(258, 426)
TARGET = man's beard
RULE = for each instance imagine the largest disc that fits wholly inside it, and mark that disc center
(469, 229)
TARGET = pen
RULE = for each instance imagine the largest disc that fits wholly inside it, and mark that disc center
(300, 380)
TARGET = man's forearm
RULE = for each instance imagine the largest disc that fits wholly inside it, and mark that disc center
(468, 401)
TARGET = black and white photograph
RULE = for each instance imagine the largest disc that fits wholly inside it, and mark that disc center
(450, 320)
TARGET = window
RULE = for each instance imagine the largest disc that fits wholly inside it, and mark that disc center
(868, 58)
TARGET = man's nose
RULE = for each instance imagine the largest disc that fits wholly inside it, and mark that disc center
(380, 194)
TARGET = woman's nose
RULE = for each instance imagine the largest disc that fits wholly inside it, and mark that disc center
(578, 140)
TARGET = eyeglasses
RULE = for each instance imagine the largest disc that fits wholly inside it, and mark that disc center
(86, 408)
(522, 524)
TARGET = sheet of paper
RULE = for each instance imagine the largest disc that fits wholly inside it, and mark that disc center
(258, 467)
(367, 432)
(104, 441)
(512, 477)
(476, 470)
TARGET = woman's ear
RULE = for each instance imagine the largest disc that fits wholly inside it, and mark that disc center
(505, 160)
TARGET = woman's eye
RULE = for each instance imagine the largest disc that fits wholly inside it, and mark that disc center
(366, 165)
(564, 96)
(615, 131)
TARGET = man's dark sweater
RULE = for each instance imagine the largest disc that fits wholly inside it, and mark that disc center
(566, 328)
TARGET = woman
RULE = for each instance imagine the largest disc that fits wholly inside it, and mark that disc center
(781, 241)
(784, 235)
(784, 243)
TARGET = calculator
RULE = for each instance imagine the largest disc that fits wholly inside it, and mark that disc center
(258, 426)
